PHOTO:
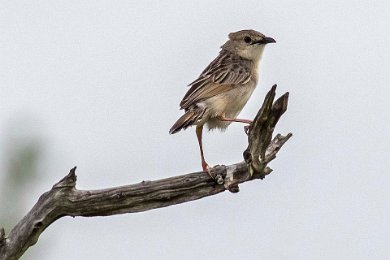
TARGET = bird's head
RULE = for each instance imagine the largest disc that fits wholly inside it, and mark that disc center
(248, 44)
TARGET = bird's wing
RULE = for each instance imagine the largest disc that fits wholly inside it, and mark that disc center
(223, 74)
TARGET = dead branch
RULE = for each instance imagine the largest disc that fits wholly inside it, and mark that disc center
(65, 200)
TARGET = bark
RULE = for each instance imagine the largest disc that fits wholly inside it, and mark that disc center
(65, 200)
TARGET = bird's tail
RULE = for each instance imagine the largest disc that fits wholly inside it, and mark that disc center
(190, 118)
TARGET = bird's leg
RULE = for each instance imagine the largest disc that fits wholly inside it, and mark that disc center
(245, 121)
(205, 166)
(247, 128)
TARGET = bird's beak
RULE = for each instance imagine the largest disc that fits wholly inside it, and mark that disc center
(265, 40)
(268, 40)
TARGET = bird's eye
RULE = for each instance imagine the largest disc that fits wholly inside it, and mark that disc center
(247, 39)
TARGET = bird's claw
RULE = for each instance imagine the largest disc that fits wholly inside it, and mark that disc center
(206, 168)
(218, 179)
(247, 129)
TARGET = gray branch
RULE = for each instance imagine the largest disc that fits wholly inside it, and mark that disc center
(65, 200)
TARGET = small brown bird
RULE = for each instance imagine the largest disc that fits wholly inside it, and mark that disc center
(218, 95)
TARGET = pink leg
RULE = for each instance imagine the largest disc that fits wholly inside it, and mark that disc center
(205, 166)
(245, 121)
(247, 128)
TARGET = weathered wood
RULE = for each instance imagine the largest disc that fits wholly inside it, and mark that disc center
(259, 151)
(65, 200)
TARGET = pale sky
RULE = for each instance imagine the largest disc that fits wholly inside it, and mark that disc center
(101, 82)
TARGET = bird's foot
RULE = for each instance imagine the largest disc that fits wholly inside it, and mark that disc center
(217, 178)
(247, 129)
(207, 168)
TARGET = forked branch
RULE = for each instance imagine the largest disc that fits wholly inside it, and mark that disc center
(65, 200)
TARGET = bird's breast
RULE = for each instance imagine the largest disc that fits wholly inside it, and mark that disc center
(231, 102)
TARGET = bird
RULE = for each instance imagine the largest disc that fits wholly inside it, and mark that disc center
(221, 91)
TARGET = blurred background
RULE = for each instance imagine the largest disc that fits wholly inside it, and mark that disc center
(97, 84)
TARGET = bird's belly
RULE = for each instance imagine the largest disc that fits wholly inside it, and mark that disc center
(228, 104)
